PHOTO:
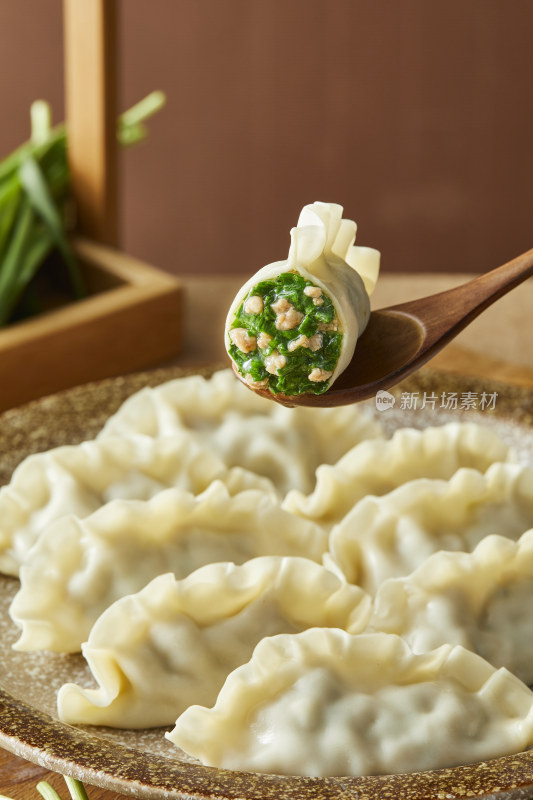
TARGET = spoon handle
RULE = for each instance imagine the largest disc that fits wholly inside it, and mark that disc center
(445, 314)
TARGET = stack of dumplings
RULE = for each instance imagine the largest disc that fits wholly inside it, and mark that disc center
(279, 590)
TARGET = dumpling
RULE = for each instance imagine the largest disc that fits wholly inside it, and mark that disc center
(293, 327)
(78, 479)
(192, 402)
(285, 445)
(77, 568)
(390, 536)
(377, 466)
(328, 703)
(481, 600)
(172, 644)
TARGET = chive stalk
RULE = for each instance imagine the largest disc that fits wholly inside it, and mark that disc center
(34, 192)
(47, 791)
(76, 788)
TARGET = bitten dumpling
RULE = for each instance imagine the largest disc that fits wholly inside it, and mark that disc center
(78, 568)
(173, 644)
(293, 327)
(377, 466)
(79, 479)
(390, 536)
(285, 445)
(481, 600)
(328, 703)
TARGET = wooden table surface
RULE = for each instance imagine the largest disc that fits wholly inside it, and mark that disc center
(501, 349)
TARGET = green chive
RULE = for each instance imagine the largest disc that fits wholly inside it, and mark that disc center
(76, 789)
(34, 185)
(39, 196)
(47, 791)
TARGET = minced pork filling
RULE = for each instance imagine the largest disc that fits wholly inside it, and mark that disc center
(285, 336)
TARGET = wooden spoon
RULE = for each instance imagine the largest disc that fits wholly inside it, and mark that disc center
(400, 339)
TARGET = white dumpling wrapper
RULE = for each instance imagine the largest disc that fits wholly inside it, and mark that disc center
(390, 536)
(378, 466)
(79, 479)
(172, 644)
(285, 445)
(322, 251)
(192, 402)
(328, 703)
(77, 568)
(481, 600)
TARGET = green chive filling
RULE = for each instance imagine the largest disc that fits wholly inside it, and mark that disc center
(285, 334)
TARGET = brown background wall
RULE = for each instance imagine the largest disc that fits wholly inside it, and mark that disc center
(416, 115)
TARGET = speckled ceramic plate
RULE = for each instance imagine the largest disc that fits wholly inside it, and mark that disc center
(143, 763)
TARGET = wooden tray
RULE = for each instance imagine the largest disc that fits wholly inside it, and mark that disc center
(130, 320)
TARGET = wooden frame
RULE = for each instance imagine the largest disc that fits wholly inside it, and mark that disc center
(91, 69)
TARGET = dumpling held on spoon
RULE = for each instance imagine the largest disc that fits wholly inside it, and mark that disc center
(293, 327)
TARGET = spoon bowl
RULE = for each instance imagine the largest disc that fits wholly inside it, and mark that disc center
(401, 338)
